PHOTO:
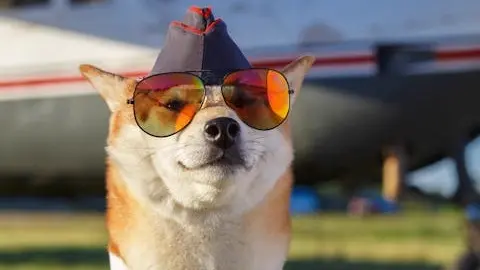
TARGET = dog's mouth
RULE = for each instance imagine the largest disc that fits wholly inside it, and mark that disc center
(225, 159)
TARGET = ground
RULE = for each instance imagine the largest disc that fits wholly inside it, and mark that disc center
(325, 241)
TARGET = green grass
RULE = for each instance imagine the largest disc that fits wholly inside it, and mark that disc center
(327, 241)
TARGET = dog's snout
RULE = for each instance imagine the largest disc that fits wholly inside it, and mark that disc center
(222, 131)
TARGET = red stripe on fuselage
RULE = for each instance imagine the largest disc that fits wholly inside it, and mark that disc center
(334, 61)
(455, 55)
(268, 63)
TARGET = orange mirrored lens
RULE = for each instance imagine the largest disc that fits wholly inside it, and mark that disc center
(166, 103)
(259, 97)
(277, 93)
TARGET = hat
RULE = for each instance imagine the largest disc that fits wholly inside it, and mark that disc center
(200, 42)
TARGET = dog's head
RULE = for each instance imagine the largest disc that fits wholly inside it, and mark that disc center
(214, 162)
(217, 161)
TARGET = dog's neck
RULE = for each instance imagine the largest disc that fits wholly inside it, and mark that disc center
(145, 238)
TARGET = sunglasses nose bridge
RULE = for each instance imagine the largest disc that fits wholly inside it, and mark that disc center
(213, 96)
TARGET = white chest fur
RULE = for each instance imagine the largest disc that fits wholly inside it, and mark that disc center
(224, 249)
(116, 263)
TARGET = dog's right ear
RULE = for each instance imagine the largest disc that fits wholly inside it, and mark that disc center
(114, 89)
(295, 73)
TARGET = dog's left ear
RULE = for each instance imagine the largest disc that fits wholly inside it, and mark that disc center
(295, 73)
(114, 89)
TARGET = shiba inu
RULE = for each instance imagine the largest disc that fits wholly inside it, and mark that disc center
(199, 153)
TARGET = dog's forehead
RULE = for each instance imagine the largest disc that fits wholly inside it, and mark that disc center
(213, 95)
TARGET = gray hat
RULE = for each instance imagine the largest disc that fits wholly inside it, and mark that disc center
(200, 42)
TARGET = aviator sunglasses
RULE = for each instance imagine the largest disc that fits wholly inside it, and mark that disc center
(166, 103)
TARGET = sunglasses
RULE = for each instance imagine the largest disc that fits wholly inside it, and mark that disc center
(166, 103)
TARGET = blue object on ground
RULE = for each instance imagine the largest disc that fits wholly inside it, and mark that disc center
(388, 207)
(472, 212)
(304, 200)
(379, 203)
(383, 205)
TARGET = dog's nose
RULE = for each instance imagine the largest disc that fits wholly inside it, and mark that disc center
(222, 131)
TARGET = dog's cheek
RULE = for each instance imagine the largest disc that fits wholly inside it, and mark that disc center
(278, 151)
(166, 147)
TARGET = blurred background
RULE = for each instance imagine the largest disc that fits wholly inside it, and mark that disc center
(385, 130)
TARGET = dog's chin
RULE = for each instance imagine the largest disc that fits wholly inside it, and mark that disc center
(222, 163)
(208, 185)
(220, 167)
(207, 181)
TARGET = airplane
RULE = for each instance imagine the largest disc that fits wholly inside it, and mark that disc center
(394, 75)
(394, 88)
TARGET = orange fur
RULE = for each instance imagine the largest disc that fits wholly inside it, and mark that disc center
(120, 210)
(272, 218)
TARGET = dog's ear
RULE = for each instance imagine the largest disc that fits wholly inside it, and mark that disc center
(295, 73)
(113, 88)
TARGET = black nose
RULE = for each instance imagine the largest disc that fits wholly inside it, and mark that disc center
(222, 131)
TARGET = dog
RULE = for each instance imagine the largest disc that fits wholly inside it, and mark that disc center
(182, 202)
